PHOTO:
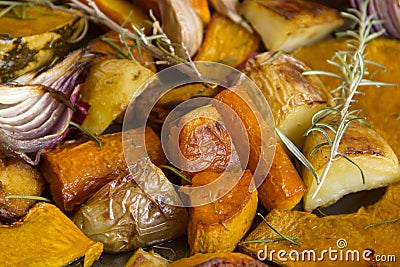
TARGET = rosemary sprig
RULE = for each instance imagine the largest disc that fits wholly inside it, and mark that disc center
(89, 134)
(290, 239)
(38, 198)
(332, 122)
(381, 223)
(176, 171)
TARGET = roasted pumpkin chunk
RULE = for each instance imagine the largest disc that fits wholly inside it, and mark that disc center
(220, 225)
(46, 237)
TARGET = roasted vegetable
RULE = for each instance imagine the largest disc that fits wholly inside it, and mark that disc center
(110, 45)
(289, 24)
(220, 225)
(123, 216)
(143, 258)
(229, 9)
(77, 171)
(215, 47)
(380, 106)
(363, 148)
(261, 139)
(35, 109)
(123, 13)
(220, 259)
(108, 91)
(31, 43)
(182, 25)
(17, 178)
(367, 233)
(283, 188)
(204, 142)
(46, 237)
(293, 98)
(202, 10)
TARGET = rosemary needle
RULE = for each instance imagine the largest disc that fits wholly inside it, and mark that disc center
(38, 198)
(381, 223)
(176, 171)
(291, 240)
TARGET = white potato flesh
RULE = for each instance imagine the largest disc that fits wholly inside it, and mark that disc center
(364, 147)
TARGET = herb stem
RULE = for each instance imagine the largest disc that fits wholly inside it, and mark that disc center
(291, 240)
(381, 223)
(176, 171)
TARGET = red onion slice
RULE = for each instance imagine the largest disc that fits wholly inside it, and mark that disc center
(44, 121)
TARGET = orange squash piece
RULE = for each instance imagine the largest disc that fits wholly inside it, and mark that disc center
(76, 172)
(283, 188)
(220, 225)
(46, 237)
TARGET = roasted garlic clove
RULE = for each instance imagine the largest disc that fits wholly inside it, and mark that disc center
(228, 8)
(182, 26)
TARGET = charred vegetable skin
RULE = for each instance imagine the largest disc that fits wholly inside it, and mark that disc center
(76, 171)
(34, 43)
(33, 109)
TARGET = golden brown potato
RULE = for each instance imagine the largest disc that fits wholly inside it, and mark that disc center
(380, 106)
(283, 188)
(220, 225)
(109, 91)
(220, 259)
(363, 231)
(364, 147)
(75, 172)
(216, 46)
(288, 24)
(20, 179)
(46, 237)
(293, 97)
(143, 258)
(102, 45)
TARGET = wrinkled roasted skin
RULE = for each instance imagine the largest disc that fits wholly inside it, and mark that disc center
(123, 216)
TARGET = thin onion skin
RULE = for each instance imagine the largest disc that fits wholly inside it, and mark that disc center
(33, 114)
(386, 10)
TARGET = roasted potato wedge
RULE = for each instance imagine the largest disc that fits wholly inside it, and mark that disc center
(364, 231)
(77, 171)
(380, 106)
(220, 259)
(19, 179)
(219, 226)
(293, 97)
(233, 52)
(124, 217)
(143, 258)
(111, 46)
(289, 24)
(363, 146)
(108, 91)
